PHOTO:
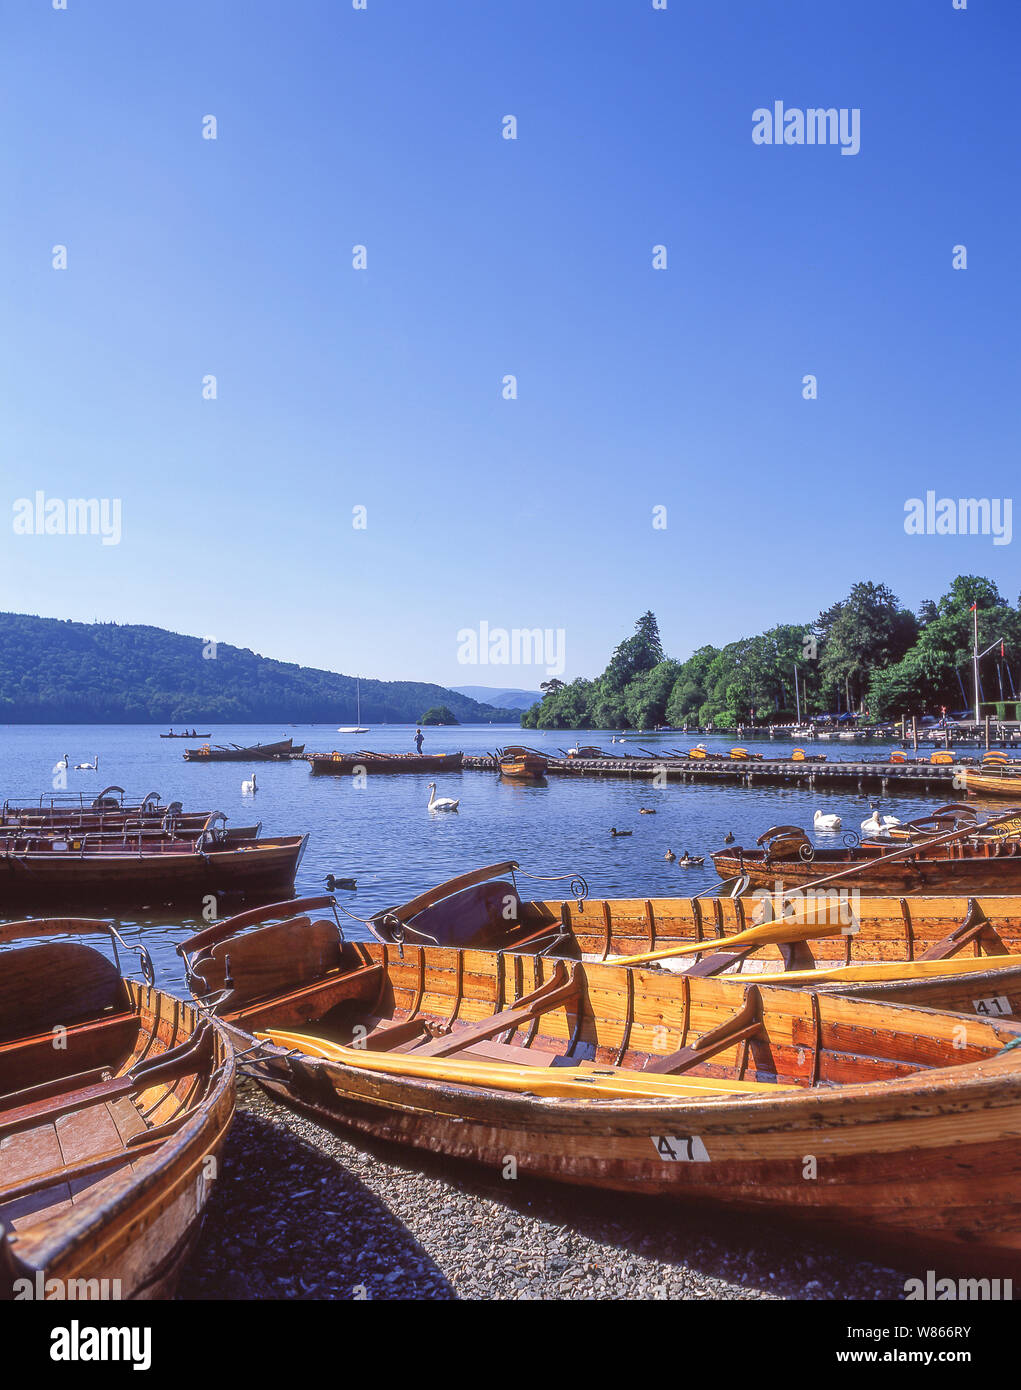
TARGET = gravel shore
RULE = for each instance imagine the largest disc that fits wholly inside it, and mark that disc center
(300, 1212)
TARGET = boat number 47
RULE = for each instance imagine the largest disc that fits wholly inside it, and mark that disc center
(680, 1149)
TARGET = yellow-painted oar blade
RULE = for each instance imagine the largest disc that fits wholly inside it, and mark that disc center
(586, 1082)
(768, 934)
(888, 970)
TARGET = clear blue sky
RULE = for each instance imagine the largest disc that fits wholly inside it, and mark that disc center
(382, 387)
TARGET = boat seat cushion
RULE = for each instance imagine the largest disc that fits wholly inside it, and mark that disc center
(282, 956)
(60, 980)
(473, 917)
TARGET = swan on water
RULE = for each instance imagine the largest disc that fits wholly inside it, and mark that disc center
(876, 824)
(442, 803)
(86, 767)
(822, 821)
(249, 788)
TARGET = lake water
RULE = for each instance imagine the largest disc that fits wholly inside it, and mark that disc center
(383, 836)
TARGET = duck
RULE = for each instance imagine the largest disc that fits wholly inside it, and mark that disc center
(333, 882)
(690, 860)
(728, 839)
(646, 811)
(86, 767)
(441, 803)
(822, 821)
(249, 788)
(615, 831)
(670, 855)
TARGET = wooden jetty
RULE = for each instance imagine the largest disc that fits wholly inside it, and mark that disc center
(864, 774)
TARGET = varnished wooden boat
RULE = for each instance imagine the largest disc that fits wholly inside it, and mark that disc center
(784, 857)
(106, 817)
(996, 784)
(705, 1090)
(338, 764)
(41, 872)
(931, 950)
(522, 764)
(485, 908)
(108, 1144)
(281, 751)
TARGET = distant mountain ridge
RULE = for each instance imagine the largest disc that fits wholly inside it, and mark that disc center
(497, 695)
(54, 671)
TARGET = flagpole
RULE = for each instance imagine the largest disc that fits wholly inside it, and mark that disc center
(978, 717)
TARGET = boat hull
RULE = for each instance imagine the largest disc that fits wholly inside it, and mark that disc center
(181, 874)
(923, 1159)
(357, 764)
(132, 1223)
(985, 873)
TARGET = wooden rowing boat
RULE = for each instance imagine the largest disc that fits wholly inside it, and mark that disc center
(190, 734)
(281, 751)
(707, 1090)
(36, 873)
(338, 764)
(484, 908)
(785, 858)
(109, 1144)
(1007, 784)
(939, 951)
(522, 764)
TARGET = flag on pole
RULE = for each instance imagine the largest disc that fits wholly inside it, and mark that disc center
(973, 606)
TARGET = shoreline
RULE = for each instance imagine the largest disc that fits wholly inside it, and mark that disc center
(300, 1211)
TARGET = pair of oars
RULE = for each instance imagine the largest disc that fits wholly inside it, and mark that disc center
(585, 1082)
(787, 930)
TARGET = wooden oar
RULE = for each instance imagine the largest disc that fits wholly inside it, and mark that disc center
(587, 1082)
(788, 930)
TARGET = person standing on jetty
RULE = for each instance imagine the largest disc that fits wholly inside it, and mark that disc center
(418, 740)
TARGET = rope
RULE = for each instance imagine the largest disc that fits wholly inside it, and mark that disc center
(1008, 1047)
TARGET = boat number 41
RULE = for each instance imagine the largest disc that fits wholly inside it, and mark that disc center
(680, 1149)
(998, 1005)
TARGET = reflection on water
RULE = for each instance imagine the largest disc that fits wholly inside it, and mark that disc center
(384, 837)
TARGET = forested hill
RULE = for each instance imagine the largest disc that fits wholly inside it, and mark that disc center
(56, 672)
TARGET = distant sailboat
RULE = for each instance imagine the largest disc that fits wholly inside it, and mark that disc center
(356, 728)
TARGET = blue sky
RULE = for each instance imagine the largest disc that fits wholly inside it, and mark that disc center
(382, 388)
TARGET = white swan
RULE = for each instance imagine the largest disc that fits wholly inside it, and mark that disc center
(824, 822)
(249, 788)
(86, 767)
(876, 824)
(443, 803)
(65, 761)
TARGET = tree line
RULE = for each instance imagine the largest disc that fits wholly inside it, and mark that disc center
(866, 655)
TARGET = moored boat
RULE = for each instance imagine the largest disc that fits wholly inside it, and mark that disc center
(337, 764)
(109, 1144)
(522, 764)
(947, 952)
(281, 751)
(967, 860)
(43, 871)
(707, 1090)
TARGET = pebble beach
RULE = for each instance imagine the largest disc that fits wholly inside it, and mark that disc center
(301, 1212)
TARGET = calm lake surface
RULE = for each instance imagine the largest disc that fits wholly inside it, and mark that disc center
(383, 836)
